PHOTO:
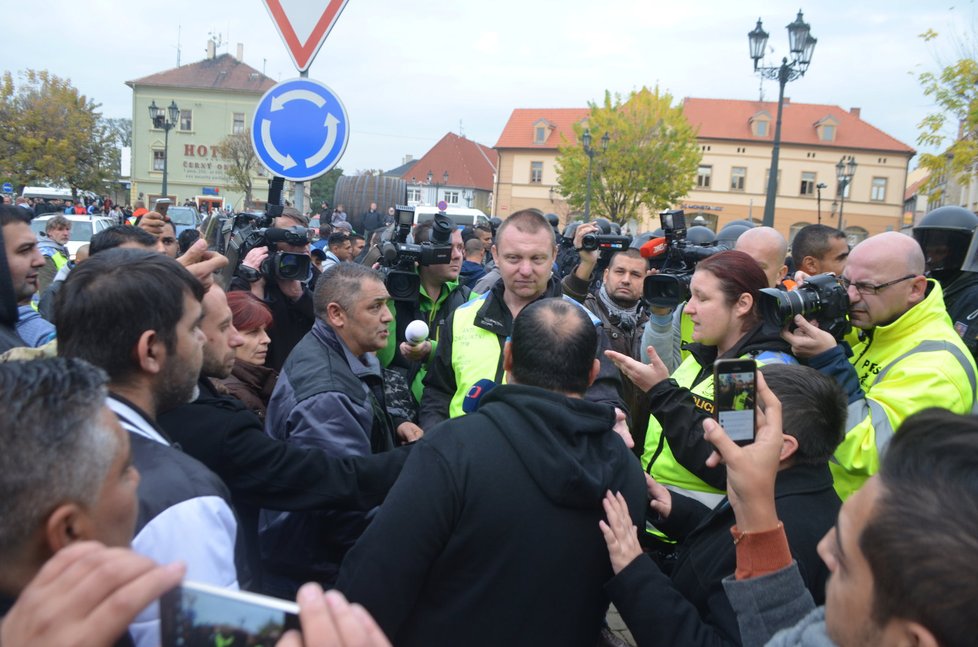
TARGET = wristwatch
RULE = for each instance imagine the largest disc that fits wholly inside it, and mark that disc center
(249, 274)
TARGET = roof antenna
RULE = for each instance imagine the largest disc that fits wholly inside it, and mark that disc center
(178, 45)
(461, 133)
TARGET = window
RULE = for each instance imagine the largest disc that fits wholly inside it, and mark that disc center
(827, 133)
(760, 128)
(878, 190)
(186, 120)
(704, 176)
(238, 126)
(536, 172)
(767, 178)
(738, 177)
(414, 195)
(452, 197)
(157, 160)
(540, 135)
(807, 184)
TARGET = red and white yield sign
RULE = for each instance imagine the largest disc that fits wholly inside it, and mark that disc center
(304, 25)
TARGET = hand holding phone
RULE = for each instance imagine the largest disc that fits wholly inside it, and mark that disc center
(735, 395)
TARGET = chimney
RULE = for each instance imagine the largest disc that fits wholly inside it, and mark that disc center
(240, 56)
(854, 112)
(407, 158)
(211, 48)
(787, 99)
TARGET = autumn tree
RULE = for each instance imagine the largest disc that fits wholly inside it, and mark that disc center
(651, 159)
(52, 134)
(240, 163)
(952, 128)
(323, 188)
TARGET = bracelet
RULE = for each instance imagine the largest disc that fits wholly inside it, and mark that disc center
(738, 536)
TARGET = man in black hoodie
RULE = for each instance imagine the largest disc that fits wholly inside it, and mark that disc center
(488, 537)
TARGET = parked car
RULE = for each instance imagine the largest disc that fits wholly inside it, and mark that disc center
(82, 229)
(184, 218)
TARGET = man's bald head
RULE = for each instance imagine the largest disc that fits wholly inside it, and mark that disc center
(769, 248)
(894, 249)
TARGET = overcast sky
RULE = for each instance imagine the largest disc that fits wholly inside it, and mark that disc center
(408, 72)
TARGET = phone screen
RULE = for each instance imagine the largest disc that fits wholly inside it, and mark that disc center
(736, 395)
(198, 615)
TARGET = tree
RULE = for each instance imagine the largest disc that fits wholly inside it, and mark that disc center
(121, 127)
(51, 134)
(323, 188)
(240, 163)
(651, 159)
(952, 128)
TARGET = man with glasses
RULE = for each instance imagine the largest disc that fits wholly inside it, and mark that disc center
(905, 353)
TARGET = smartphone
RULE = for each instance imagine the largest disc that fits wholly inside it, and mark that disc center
(735, 390)
(200, 615)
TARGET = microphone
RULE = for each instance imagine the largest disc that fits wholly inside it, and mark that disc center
(654, 247)
(475, 394)
(416, 333)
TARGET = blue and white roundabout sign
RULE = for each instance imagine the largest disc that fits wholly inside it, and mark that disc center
(300, 129)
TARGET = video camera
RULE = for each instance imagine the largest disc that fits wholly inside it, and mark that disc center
(821, 297)
(250, 230)
(612, 242)
(398, 257)
(671, 286)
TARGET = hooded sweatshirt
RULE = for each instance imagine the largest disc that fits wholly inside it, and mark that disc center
(490, 535)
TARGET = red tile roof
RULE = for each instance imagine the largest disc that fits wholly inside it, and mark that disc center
(518, 132)
(223, 72)
(719, 119)
(913, 188)
(469, 164)
(730, 119)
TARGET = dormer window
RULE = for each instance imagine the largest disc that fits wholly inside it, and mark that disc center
(760, 123)
(541, 131)
(826, 129)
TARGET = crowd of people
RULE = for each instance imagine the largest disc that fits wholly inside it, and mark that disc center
(546, 446)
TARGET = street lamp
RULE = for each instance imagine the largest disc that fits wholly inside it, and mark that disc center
(586, 138)
(818, 188)
(844, 171)
(436, 185)
(802, 46)
(160, 120)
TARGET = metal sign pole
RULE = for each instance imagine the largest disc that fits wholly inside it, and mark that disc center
(300, 197)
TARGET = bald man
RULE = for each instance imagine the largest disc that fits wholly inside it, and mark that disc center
(906, 355)
(769, 248)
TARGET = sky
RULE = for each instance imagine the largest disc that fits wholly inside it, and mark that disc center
(409, 72)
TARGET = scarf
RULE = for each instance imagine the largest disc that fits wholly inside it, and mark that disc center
(627, 318)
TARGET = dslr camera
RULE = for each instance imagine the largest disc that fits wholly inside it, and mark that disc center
(821, 297)
(670, 286)
(249, 231)
(398, 257)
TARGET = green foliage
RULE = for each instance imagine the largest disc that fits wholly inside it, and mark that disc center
(52, 135)
(241, 164)
(324, 188)
(651, 159)
(122, 128)
(952, 128)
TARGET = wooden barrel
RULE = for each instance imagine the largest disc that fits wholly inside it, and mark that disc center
(356, 193)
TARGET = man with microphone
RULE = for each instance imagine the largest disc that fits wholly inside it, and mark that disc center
(439, 294)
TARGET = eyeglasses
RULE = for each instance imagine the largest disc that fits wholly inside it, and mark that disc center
(868, 289)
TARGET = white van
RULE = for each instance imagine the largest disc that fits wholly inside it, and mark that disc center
(461, 216)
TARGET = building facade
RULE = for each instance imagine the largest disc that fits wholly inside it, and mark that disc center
(736, 139)
(456, 170)
(216, 97)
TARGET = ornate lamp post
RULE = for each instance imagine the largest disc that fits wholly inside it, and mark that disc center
(586, 138)
(166, 120)
(844, 171)
(802, 46)
(818, 188)
(436, 185)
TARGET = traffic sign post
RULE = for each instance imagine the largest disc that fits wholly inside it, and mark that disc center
(300, 130)
(292, 19)
(8, 187)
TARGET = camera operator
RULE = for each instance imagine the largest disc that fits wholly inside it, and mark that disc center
(906, 356)
(619, 305)
(438, 296)
(288, 297)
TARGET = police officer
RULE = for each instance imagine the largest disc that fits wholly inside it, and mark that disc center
(945, 234)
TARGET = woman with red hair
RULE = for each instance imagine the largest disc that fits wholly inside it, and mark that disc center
(251, 381)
